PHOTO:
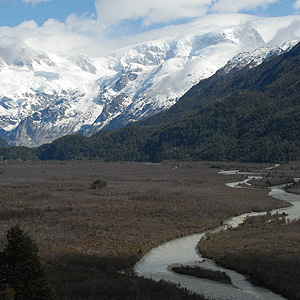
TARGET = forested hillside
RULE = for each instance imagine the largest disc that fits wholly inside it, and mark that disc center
(246, 115)
(3, 143)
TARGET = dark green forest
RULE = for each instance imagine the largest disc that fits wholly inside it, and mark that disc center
(3, 143)
(250, 115)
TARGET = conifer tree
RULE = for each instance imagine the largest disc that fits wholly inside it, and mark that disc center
(21, 271)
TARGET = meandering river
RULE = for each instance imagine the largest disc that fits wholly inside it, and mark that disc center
(158, 262)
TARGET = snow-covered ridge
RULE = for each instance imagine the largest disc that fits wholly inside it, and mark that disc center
(256, 57)
(44, 95)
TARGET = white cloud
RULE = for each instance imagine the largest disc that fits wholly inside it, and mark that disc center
(33, 2)
(151, 11)
(239, 6)
(84, 24)
(297, 4)
(86, 33)
(163, 11)
(74, 36)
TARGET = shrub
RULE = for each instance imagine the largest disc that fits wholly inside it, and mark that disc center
(98, 184)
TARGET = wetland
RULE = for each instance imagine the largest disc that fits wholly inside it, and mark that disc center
(90, 239)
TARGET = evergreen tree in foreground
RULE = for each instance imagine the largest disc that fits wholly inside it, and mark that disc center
(22, 275)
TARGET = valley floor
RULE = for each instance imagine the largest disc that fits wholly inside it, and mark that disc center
(86, 236)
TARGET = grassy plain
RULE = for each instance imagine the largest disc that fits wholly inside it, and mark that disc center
(87, 235)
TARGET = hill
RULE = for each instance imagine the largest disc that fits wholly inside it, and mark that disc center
(251, 114)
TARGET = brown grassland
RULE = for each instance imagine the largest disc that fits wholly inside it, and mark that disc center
(268, 252)
(87, 235)
(265, 248)
(294, 188)
(199, 272)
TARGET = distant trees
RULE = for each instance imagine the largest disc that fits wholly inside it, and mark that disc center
(22, 275)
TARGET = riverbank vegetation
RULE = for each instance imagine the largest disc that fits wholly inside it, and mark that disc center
(87, 236)
(294, 188)
(272, 179)
(199, 272)
(94, 277)
(265, 248)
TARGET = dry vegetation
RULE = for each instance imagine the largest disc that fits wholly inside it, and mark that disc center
(265, 248)
(268, 252)
(294, 188)
(83, 232)
(280, 175)
(199, 272)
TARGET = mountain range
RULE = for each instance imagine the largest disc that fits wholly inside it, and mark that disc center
(45, 95)
(248, 112)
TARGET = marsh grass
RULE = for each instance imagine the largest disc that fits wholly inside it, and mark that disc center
(199, 272)
(142, 206)
(265, 248)
(294, 188)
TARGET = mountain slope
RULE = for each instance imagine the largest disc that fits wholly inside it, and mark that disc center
(221, 84)
(250, 115)
(247, 115)
(45, 95)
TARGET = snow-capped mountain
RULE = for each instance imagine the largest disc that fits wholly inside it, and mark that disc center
(256, 57)
(45, 95)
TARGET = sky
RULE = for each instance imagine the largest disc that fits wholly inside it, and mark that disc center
(14, 12)
(88, 21)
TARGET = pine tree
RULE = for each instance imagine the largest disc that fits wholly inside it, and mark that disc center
(21, 271)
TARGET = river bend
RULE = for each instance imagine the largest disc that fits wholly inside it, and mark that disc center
(158, 262)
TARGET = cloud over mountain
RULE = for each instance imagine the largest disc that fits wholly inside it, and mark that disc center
(122, 23)
(157, 11)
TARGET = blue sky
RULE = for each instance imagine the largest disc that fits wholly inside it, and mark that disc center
(282, 8)
(14, 12)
